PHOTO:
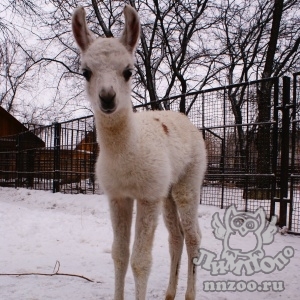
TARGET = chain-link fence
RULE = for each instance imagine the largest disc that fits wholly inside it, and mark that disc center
(251, 140)
(59, 157)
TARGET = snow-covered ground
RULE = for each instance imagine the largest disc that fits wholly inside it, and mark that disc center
(38, 228)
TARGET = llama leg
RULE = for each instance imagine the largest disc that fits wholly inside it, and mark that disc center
(192, 233)
(141, 259)
(186, 194)
(121, 217)
(173, 225)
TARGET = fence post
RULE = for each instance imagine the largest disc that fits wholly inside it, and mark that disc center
(56, 160)
(285, 139)
(293, 150)
(275, 154)
(18, 161)
(30, 153)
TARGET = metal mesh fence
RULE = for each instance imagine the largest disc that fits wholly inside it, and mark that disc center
(78, 153)
(59, 157)
(241, 146)
(294, 211)
(242, 127)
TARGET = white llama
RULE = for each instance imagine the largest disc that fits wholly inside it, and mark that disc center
(154, 157)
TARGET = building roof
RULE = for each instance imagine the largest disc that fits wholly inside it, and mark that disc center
(10, 126)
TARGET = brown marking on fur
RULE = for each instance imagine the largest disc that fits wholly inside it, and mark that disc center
(177, 269)
(165, 128)
(156, 119)
(194, 269)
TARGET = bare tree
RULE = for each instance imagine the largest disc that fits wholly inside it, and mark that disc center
(169, 49)
(260, 39)
(33, 70)
(168, 56)
(279, 58)
(185, 46)
(15, 74)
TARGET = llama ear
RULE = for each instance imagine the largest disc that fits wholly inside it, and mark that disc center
(82, 34)
(131, 32)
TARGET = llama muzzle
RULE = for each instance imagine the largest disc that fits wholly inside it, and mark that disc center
(107, 100)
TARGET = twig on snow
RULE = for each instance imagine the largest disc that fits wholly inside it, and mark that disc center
(54, 273)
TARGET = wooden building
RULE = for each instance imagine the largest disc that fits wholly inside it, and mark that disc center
(13, 134)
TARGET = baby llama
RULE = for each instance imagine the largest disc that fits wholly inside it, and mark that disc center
(157, 158)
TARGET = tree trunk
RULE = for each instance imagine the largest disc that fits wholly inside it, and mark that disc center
(263, 141)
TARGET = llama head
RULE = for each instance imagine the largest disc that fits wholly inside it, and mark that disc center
(107, 63)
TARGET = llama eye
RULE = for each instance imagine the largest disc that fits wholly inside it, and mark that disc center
(87, 74)
(127, 73)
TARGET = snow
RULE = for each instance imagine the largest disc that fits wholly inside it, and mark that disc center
(39, 228)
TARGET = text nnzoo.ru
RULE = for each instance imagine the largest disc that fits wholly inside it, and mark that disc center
(241, 286)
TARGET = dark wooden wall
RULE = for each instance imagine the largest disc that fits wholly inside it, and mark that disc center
(9, 125)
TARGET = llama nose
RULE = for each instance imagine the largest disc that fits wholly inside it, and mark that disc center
(107, 99)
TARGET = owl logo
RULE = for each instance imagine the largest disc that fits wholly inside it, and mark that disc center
(241, 228)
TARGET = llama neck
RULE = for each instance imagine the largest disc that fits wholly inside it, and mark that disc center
(117, 132)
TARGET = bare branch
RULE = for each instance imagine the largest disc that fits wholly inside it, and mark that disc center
(54, 273)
